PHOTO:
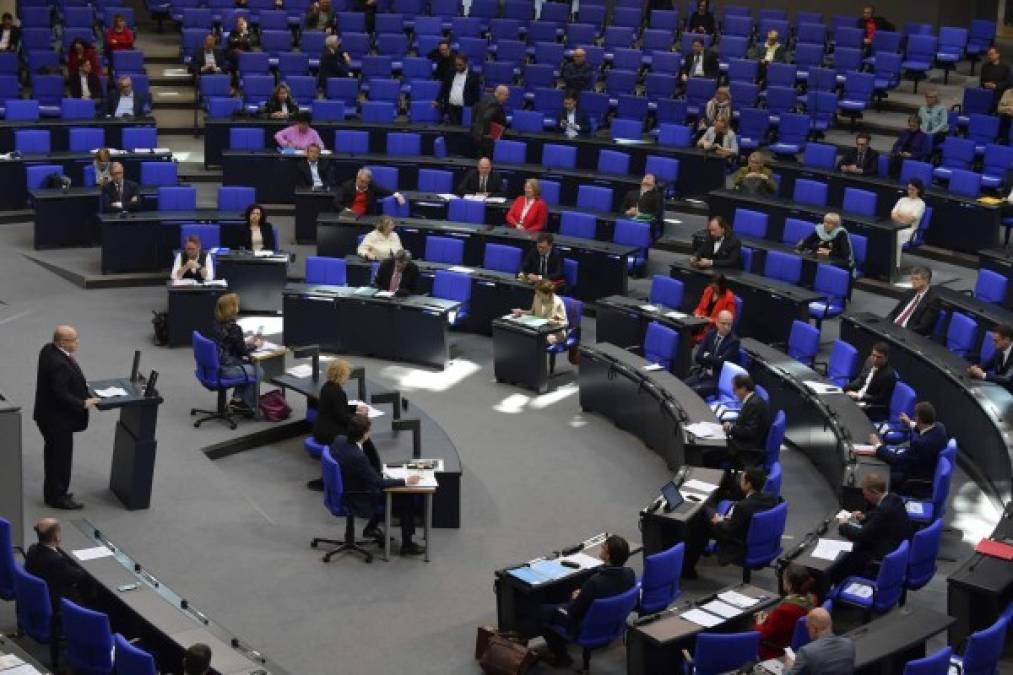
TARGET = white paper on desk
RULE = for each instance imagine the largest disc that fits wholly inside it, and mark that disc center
(738, 599)
(496, 200)
(649, 308)
(861, 590)
(373, 412)
(23, 669)
(722, 609)
(9, 661)
(217, 282)
(158, 150)
(817, 387)
(93, 553)
(475, 198)
(427, 479)
(585, 561)
(706, 430)
(110, 392)
(772, 666)
(676, 315)
(863, 449)
(263, 253)
(829, 549)
(653, 366)
(461, 269)
(701, 618)
(384, 294)
(302, 370)
(699, 486)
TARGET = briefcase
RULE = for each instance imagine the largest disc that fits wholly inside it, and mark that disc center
(502, 653)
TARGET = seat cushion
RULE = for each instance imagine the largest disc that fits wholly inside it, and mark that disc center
(857, 591)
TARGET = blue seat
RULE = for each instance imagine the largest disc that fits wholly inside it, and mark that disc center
(754, 124)
(921, 566)
(610, 161)
(699, 90)
(77, 109)
(923, 511)
(154, 174)
(559, 156)
(716, 653)
(550, 191)
(574, 316)
(378, 111)
(984, 649)
(773, 485)
(803, 342)
(334, 502)
(352, 142)
(820, 156)
(33, 607)
(570, 272)
(129, 660)
(958, 153)
(245, 138)
(527, 121)
(7, 564)
(996, 164)
(208, 233)
(859, 201)
(603, 623)
(748, 223)
(324, 270)
(660, 344)
(436, 181)
(792, 134)
(574, 224)
(208, 372)
(674, 135)
(785, 267)
(812, 192)
(835, 283)
(795, 230)
(32, 141)
(982, 129)
(466, 211)
(775, 438)
(510, 152)
(965, 183)
(140, 137)
(402, 144)
(502, 258)
(454, 286)
(342, 89)
(980, 38)
(842, 366)
(902, 400)
(666, 291)
(88, 639)
(659, 587)
(882, 594)
(990, 287)
(35, 175)
(594, 198)
(857, 94)
(633, 233)
(665, 171)
(444, 250)
(935, 664)
(177, 198)
(235, 197)
(725, 395)
(962, 334)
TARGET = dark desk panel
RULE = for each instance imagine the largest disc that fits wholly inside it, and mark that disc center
(623, 321)
(971, 409)
(259, 280)
(999, 260)
(59, 130)
(768, 306)
(144, 241)
(602, 265)
(664, 529)
(65, 218)
(881, 254)
(884, 645)
(412, 328)
(191, 308)
(519, 354)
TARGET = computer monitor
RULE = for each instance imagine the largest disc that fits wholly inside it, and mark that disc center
(673, 498)
(135, 369)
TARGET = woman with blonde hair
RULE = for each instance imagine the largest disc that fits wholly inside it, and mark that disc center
(548, 305)
(234, 351)
(382, 242)
(334, 414)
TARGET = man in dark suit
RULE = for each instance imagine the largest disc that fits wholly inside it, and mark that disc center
(873, 387)
(999, 367)
(577, 74)
(334, 61)
(48, 561)
(120, 194)
(86, 82)
(718, 346)
(747, 435)
(61, 408)
(360, 194)
(879, 529)
(861, 159)
(701, 62)
(443, 59)
(645, 204)
(915, 461)
(461, 88)
(720, 250)
(315, 172)
(572, 120)
(918, 309)
(481, 180)
(398, 274)
(364, 484)
(729, 531)
(488, 119)
(208, 58)
(10, 35)
(125, 102)
(610, 580)
(544, 262)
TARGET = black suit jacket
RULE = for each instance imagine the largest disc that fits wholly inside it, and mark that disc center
(749, 432)
(273, 106)
(323, 168)
(113, 102)
(63, 577)
(581, 119)
(923, 452)
(60, 392)
(469, 184)
(707, 359)
(731, 532)
(94, 84)
(711, 66)
(607, 582)
(554, 265)
(704, 21)
(472, 89)
(332, 64)
(884, 528)
(333, 413)
(363, 484)
(870, 161)
(130, 191)
(266, 235)
(486, 111)
(923, 319)
(409, 277)
(346, 195)
(727, 256)
(648, 202)
(15, 41)
(998, 372)
(880, 389)
(197, 61)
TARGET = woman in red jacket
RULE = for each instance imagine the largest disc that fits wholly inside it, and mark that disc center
(529, 212)
(81, 51)
(119, 36)
(715, 299)
(777, 627)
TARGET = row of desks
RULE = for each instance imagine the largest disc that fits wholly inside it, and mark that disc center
(59, 130)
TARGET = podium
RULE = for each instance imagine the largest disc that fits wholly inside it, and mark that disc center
(133, 464)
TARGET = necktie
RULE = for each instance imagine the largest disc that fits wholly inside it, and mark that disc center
(903, 317)
(395, 280)
(859, 161)
(543, 266)
(481, 184)
(868, 381)
(717, 344)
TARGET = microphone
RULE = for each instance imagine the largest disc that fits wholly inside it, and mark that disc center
(570, 550)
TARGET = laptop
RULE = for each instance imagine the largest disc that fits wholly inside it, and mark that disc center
(673, 498)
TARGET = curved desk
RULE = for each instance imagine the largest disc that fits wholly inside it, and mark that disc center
(976, 413)
(987, 314)
(59, 130)
(999, 260)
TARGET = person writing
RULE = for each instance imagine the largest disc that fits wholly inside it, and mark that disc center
(829, 239)
(917, 460)
(125, 102)
(777, 627)
(300, 135)
(826, 653)
(528, 211)
(120, 194)
(720, 250)
(334, 413)
(547, 305)
(382, 242)
(193, 262)
(908, 211)
(315, 173)
(359, 195)
(715, 299)
(543, 262)
(876, 531)
(701, 21)
(398, 274)
(208, 58)
(754, 178)
(999, 367)
(873, 387)
(234, 350)
(258, 235)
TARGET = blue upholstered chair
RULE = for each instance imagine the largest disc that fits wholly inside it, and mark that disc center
(603, 623)
(33, 607)
(803, 342)
(882, 594)
(659, 586)
(324, 270)
(88, 639)
(129, 660)
(717, 653)
(209, 374)
(7, 564)
(666, 291)
(454, 286)
(502, 258)
(574, 315)
(334, 492)
(447, 250)
(660, 344)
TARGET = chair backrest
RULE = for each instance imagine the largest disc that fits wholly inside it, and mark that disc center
(511, 152)
(902, 401)
(452, 286)
(800, 636)
(803, 342)
(158, 173)
(77, 109)
(205, 356)
(832, 280)
(984, 649)
(941, 486)
(576, 224)
(659, 586)
(34, 141)
(88, 638)
(33, 607)
(965, 183)
(444, 249)
(610, 161)
(722, 652)
(775, 438)
(819, 156)
(911, 168)
(235, 197)
(502, 258)
(246, 138)
(773, 485)
(324, 270)
(935, 664)
(660, 344)
(962, 334)
(605, 619)
(177, 198)
(334, 486)
(129, 660)
(351, 141)
(859, 201)
(666, 291)
(921, 566)
(810, 192)
(785, 267)
(559, 156)
(144, 137)
(466, 211)
(435, 180)
(890, 580)
(35, 175)
(843, 363)
(763, 540)
(728, 372)
(750, 223)
(674, 135)
(990, 287)
(594, 198)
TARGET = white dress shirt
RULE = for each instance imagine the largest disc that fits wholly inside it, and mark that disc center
(457, 89)
(5, 38)
(85, 91)
(315, 173)
(125, 108)
(209, 267)
(571, 124)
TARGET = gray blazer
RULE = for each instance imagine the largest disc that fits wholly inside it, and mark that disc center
(829, 655)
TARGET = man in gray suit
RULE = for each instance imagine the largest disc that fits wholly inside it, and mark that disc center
(826, 653)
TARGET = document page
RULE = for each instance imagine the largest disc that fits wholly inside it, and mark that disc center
(699, 486)
(93, 553)
(706, 429)
(818, 387)
(584, 560)
(701, 618)
(737, 599)
(427, 478)
(373, 412)
(829, 549)
(110, 392)
(722, 609)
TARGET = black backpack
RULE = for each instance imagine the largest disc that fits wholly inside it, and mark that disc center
(160, 322)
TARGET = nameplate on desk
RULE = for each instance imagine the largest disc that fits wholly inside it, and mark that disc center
(651, 367)
(263, 253)
(384, 294)
(459, 268)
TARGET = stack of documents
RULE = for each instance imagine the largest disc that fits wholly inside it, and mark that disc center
(426, 478)
(373, 412)
(820, 388)
(585, 561)
(84, 554)
(701, 486)
(528, 320)
(267, 347)
(302, 370)
(541, 571)
(701, 618)
(737, 599)
(829, 549)
(706, 430)
(12, 665)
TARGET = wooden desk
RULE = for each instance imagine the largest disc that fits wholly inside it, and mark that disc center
(408, 490)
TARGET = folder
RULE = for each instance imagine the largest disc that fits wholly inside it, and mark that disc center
(996, 549)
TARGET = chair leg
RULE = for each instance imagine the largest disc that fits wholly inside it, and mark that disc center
(747, 575)
(221, 413)
(349, 543)
(552, 361)
(587, 660)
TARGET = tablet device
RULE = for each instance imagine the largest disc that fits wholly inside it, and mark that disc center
(673, 498)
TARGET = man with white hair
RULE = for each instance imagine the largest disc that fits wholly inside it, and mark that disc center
(360, 194)
(125, 102)
(488, 119)
(334, 61)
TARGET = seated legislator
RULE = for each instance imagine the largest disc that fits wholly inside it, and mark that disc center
(908, 211)
(543, 262)
(241, 39)
(364, 486)
(700, 62)
(646, 203)
(577, 74)
(755, 178)
(85, 84)
(747, 435)
(719, 107)
(728, 531)
(208, 58)
(319, 15)
(125, 102)
(609, 580)
(398, 274)
(877, 530)
(359, 195)
(315, 173)
(381, 242)
(716, 298)
(777, 627)
(193, 262)
(825, 653)
(916, 460)
(573, 121)
(873, 387)
(79, 52)
(829, 239)
(998, 368)
(258, 235)
(917, 309)
(529, 211)
(103, 165)
(234, 351)
(912, 144)
(281, 105)
(771, 51)
(46, 560)
(861, 159)
(300, 135)
(120, 194)
(481, 180)
(720, 140)
(334, 413)
(721, 249)
(547, 305)
(718, 345)
(701, 21)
